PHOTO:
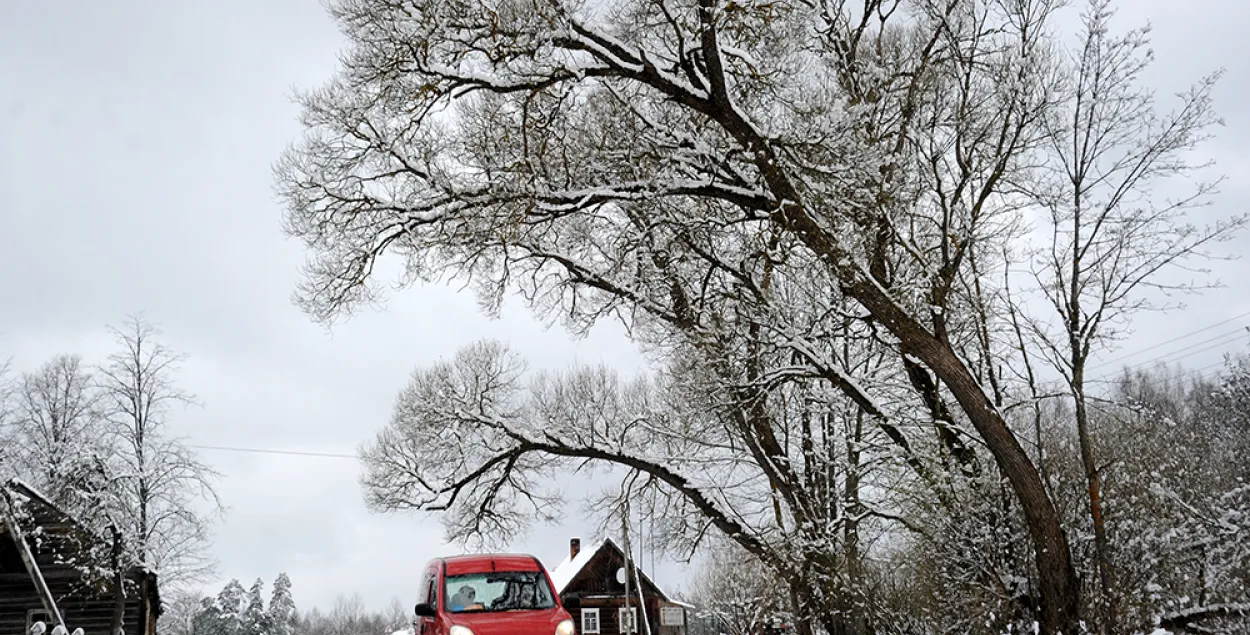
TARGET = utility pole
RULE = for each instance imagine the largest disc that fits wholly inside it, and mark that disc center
(627, 617)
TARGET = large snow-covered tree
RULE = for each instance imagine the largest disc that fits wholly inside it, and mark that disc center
(157, 483)
(795, 207)
(231, 604)
(281, 613)
(255, 618)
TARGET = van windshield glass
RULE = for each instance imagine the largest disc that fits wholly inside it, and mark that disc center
(498, 591)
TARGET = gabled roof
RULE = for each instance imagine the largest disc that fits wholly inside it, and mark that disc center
(29, 493)
(567, 570)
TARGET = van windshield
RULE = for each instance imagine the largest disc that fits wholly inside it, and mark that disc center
(498, 591)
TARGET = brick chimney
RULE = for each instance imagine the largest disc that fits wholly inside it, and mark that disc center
(575, 547)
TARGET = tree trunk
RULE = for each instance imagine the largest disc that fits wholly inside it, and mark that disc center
(116, 626)
(856, 624)
(1093, 480)
(1060, 601)
(1079, 355)
(1060, 594)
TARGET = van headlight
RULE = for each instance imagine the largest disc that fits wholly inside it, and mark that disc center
(460, 630)
(563, 628)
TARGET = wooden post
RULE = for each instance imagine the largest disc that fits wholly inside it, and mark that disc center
(627, 616)
(632, 570)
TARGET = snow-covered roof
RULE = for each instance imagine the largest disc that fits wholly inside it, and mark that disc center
(28, 492)
(568, 568)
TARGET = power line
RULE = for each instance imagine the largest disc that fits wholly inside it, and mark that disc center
(1225, 340)
(1241, 330)
(1165, 343)
(222, 448)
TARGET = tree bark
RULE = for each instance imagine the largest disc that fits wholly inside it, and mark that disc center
(1093, 480)
(116, 626)
(1060, 600)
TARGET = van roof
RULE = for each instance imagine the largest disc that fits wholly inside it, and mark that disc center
(479, 563)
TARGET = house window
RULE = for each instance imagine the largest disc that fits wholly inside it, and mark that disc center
(590, 621)
(672, 616)
(628, 620)
(38, 615)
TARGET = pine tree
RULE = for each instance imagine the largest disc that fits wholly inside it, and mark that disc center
(281, 607)
(230, 603)
(255, 621)
(207, 620)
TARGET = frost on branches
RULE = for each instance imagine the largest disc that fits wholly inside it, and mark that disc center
(806, 213)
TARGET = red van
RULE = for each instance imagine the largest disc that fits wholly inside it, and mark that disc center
(489, 594)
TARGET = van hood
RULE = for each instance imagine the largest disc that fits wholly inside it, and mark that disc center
(538, 622)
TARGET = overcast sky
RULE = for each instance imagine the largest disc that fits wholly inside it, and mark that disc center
(136, 139)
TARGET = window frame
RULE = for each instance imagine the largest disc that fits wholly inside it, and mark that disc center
(431, 592)
(598, 622)
(627, 626)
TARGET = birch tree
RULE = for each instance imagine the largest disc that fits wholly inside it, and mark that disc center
(157, 481)
(179, 611)
(1121, 205)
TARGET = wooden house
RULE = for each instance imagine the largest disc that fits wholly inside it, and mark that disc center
(596, 576)
(38, 543)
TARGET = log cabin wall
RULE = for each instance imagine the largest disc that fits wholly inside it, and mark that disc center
(609, 616)
(53, 539)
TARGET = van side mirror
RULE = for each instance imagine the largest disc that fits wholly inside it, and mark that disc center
(425, 610)
(572, 602)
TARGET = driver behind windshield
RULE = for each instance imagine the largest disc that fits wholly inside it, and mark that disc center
(463, 598)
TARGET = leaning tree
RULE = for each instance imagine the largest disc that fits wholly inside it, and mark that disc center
(792, 205)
